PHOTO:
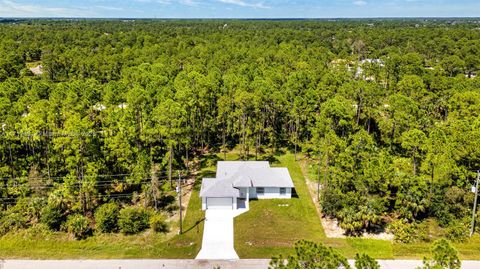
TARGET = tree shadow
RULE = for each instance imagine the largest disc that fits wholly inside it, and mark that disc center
(209, 160)
(166, 200)
(203, 174)
(269, 157)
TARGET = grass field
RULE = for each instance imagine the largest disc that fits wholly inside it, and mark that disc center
(266, 230)
(269, 229)
(40, 245)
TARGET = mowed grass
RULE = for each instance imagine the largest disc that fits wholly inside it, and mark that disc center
(467, 250)
(59, 245)
(271, 228)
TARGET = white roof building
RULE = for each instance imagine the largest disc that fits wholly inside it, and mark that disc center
(238, 181)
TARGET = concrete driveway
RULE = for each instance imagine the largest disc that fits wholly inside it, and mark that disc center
(217, 243)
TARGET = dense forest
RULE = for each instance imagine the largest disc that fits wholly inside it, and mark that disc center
(97, 113)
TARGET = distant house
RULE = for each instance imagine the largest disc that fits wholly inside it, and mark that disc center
(237, 182)
(37, 70)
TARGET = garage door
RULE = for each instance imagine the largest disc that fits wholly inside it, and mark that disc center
(219, 203)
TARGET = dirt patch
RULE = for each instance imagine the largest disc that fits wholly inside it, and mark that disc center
(332, 229)
(187, 188)
(330, 226)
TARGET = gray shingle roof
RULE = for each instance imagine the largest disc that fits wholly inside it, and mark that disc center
(212, 187)
(233, 174)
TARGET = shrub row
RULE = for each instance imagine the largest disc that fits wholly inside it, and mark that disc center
(108, 218)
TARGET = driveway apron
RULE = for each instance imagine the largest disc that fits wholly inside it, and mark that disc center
(217, 243)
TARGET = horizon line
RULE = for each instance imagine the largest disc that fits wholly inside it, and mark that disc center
(247, 18)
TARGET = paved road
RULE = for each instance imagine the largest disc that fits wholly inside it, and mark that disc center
(182, 264)
(217, 242)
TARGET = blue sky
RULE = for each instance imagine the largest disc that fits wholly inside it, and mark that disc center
(239, 8)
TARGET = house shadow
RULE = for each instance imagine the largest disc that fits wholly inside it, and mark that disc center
(294, 193)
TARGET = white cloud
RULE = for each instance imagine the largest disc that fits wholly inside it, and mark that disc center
(110, 8)
(163, 2)
(190, 3)
(13, 9)
(242, 3)
(359, 3)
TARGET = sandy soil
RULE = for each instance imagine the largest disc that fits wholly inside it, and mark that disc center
(330, 226)
(38, 70)
(187, 187)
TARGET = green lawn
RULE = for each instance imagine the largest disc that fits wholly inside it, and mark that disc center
(27, 244)
(269, 229)
(266, 230)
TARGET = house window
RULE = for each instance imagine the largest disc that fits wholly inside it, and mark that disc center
(261, 191)
(283, 191)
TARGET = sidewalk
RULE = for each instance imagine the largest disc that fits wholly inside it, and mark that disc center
(183, 264)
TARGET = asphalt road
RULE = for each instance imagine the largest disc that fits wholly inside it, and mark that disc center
(182, 264)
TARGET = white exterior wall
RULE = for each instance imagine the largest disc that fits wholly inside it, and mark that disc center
(271, 193)
(252, 193)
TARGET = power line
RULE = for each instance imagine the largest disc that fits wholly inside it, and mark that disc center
(92, 184)
(87, 176)
(83, 182)
(112, 195)
(80, 184)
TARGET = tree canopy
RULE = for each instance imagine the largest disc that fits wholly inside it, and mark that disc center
(387, 110)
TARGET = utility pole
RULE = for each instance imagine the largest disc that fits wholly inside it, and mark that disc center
(318, 179)
(474, 211)
(179, 191)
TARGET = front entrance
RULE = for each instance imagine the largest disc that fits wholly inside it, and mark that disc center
(241, 203)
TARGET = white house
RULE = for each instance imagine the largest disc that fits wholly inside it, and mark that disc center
(236, 182)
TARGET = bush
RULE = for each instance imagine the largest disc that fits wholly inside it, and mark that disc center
(406, 232)
(106, 218)
(332, 201)
(444, 255)
(310, 255)
(38, 231)
(158, 223)
(443, 217)
(52, 217)
(12, 221)
(133, 220)
(78, 226)
(363, 261)
(457, 231)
